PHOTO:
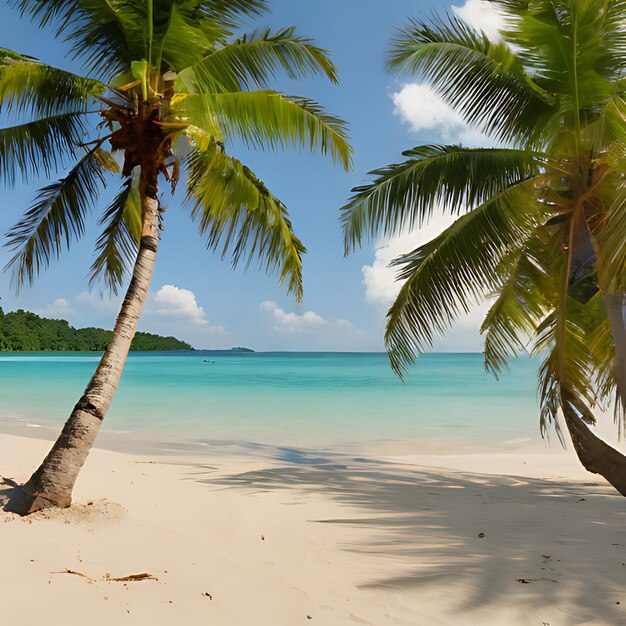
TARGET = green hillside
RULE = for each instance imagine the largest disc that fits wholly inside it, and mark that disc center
(21, 331)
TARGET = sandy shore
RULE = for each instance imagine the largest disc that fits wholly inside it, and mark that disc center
(317, 539)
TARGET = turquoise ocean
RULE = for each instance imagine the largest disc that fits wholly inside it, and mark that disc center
(190, 399)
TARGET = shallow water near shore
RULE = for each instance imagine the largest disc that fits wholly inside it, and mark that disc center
(298, 399)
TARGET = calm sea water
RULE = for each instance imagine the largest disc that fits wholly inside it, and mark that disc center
(286, 398)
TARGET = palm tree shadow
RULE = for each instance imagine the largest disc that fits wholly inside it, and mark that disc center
(12, 496)
(503, 536)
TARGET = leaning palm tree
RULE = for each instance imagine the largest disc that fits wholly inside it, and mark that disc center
(542, 216)
(168, 85)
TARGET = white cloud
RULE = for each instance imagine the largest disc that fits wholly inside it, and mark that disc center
(168, 311)
(59, 308)
(309, 321)
(481, 15)
(174, 302)
(380, 280)
(419, 106)
(382, 286)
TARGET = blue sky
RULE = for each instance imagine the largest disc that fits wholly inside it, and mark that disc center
(195, 295)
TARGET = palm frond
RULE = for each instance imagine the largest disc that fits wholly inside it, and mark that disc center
(482, 80)
(611, 252)
(403, 195)
(237, 213)
(267, 119)
(454, 271)
(566, 374)
(522, 303)
(30, 87)
(574, 51)
(232, 13)
(56, 218)
(597, 327)
(118, 244)
(106, 34)
(254, 59)
(181, 36)
(39, 147)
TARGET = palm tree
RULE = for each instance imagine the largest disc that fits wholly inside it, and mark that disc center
(542, 215)
(168, 84)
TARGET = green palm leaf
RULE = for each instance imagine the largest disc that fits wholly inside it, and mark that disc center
(30, 87)
(117, 246)
(106, 34)
(446, 276)
(267, 119)
(232, 13)
(611, 252)
(39, 147)
(402, 196)
(179, 38)
(481, 79)
(57, 217)
(237, 212)
(566, 371)
(522, 303)
(256, 58)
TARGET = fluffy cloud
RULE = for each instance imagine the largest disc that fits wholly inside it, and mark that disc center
(172, 301)
(380, 280)
(382, 286)
(174, 310)
(306, 322)
(481, 15)
(419, 106)
(59, 308)
(170, 310)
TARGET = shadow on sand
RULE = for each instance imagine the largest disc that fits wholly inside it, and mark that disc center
(12, 497)
(545, 542)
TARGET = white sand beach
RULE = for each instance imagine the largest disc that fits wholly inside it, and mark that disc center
(236, 540)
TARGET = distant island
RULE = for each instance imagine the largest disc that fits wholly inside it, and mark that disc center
(229, 351)
(21, 331)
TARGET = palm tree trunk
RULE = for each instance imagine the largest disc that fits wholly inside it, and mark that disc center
(52, 484)
(597, 456)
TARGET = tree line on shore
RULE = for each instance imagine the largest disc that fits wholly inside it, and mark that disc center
(22, 331)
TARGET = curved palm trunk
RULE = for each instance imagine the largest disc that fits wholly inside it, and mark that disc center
(52, 484)
(597, 456)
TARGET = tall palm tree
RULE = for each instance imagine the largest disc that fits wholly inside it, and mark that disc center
(542, 215)
(168, 85)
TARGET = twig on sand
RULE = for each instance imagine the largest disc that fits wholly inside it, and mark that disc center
(75, 573)
(130, 578)
(109, 578)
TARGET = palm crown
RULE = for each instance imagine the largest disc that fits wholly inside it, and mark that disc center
(168, 85)
(541, 217)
